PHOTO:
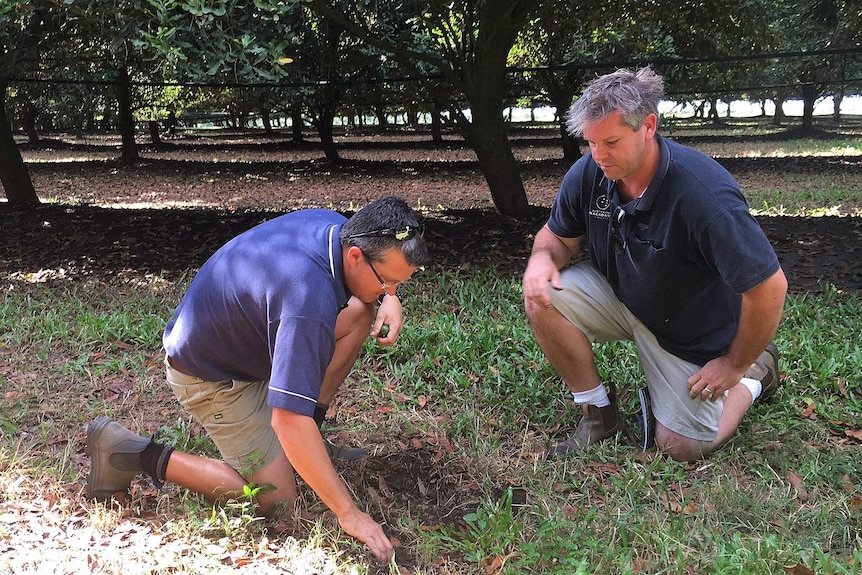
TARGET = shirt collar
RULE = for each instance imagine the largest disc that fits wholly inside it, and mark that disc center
(336, 266)
(649, 195)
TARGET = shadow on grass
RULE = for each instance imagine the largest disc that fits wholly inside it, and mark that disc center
(90, 240)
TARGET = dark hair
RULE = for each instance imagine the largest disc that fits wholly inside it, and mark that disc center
(635, 94)
(381, 215)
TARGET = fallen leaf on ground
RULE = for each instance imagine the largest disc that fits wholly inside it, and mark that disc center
(796, 483)
(798, 569)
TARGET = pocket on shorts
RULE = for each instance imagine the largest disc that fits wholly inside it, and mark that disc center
(236, 402)
(238, 420)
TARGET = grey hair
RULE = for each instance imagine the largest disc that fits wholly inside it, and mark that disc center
(635, 94)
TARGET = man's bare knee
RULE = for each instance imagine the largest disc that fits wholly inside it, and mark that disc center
(356, 313)
(678, 447)
(541, 317)
(277, 486)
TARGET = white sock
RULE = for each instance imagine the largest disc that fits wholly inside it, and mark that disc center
(597, 396)
(754, 386)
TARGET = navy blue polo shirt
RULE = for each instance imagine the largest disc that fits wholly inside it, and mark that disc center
(263, 308)
(680, 256)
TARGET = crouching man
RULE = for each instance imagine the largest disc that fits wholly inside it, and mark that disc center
(268, 330)
(676, 263)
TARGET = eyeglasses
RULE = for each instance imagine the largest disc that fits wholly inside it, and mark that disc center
(402, 233)
(384, 285)
(618, 234)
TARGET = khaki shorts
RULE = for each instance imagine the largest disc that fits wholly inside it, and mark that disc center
(589, 302)
(234, 414)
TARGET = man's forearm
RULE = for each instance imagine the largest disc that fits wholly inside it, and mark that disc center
(758, 319)
(302, 443)
(559, 250)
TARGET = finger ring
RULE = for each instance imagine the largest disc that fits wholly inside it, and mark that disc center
(709, 391)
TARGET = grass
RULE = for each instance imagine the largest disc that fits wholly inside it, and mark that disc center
(738, 508)
(468, 369)
(467, 382)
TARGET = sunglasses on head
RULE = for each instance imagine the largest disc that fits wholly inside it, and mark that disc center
(401, 233)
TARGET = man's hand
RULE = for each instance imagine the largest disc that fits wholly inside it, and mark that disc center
(758, 321)
(300, 438)
(364, 528)
(550, 253)
(715, 379)
(389, 314)
(541, 271)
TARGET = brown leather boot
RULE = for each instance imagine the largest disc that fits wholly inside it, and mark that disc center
(597, 423)
(765, 370)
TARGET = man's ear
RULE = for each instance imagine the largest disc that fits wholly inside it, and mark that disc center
(353, 254)
(651, 124)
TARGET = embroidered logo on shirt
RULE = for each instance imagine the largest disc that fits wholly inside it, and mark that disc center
(601, 207)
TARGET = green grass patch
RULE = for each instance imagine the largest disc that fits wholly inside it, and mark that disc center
(471, 352)
(785, 490)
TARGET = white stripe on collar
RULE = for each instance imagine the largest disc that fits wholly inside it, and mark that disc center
(331, 254)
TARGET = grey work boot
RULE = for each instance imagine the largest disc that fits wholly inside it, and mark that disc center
(765, 370)
(339, 452)
(344, 452)
(597, 423)
(115, 458)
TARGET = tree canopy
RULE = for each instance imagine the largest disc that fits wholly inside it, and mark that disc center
(460, 62)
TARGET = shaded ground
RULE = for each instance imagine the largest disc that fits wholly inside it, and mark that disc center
(86, 239)
(188, 202)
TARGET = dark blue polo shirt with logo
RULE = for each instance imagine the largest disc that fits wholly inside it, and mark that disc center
(263, 308)
(680, 256)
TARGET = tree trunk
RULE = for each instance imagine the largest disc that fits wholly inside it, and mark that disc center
(323, 123)
(126, 118)
(13, 171)
(561, 100)
(503, 175)
(436, 123)
(171, 123)
(296, 120)
(713, 111)
(155, 138)
(327, 143)
(809, 98)
(382, 119)
(487, 135)
(31, 113)
(265, 118)
(478, 71)
(778, 118)
(571, 145)
(411, 115)
(485, 85)
(837, 98)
